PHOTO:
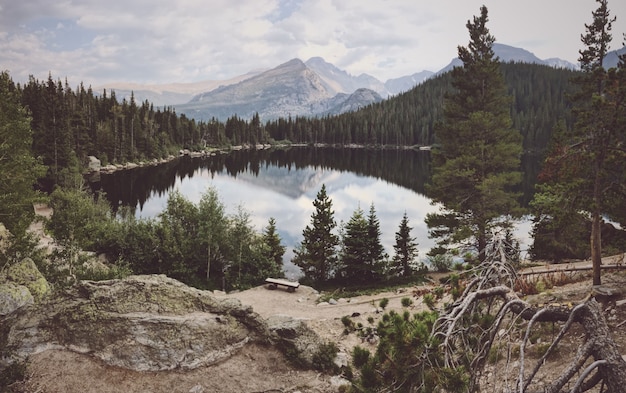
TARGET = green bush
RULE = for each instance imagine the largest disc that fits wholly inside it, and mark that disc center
(441, 262)
(324, 358)
(406, 302)
(383, 303)
(360, 356)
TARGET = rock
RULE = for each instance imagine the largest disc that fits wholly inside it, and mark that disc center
(142, 323)
(321, 304)
(26, 273)
(332, 302)
(341, 360)
(12, 297)
(337, 382)
(197, 389)
(94, 164)
(295, 338)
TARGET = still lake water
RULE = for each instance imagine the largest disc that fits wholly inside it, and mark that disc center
(284, 183)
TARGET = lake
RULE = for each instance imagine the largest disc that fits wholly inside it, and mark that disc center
(283, 184)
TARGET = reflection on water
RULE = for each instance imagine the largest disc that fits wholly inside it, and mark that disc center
(283, 184)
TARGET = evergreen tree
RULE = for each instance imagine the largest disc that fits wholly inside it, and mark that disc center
(355, 258)
(405, 249)
(19, 169)
(316, 254)
(375, 250)
(585, 171)
(273, 249)
(476, 163)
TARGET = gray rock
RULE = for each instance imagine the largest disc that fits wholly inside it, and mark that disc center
(295, 337)
(332, 302)
(338, 382)
(12, 297)
(197, 389)
(142, 323)
(94, 164)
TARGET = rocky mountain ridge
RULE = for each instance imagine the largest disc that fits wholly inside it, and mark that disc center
(297, 88)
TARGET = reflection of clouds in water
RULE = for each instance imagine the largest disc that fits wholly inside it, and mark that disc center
(271, 194)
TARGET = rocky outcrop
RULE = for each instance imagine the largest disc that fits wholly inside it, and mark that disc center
(144, 323)
(26, 273)
(12, 297)
(296, 339)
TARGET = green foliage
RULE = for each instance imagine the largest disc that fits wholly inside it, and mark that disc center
(324, 358)
(19, 169)
(440, 262)
(405, 249)
(406, 302)
(476, 164)
(360, 356)
(383, 303)
(429, 300)
(316, 253)
(402, 360)
(583, 173)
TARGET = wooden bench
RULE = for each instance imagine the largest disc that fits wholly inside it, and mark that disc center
(273, 283)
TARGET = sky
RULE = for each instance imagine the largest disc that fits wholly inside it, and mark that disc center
(176, 41)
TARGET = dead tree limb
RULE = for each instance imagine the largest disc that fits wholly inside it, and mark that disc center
(464, 343)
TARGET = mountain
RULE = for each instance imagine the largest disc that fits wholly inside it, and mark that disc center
(406, 83)
(339, 81)
(291, 89)
(509, 54)
(612, 58)
(171, 93)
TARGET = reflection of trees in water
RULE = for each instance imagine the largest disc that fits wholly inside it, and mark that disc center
(407, 168)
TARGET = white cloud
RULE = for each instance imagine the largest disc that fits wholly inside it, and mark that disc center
(161, 41)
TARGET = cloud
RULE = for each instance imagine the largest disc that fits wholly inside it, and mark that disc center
(161, 41)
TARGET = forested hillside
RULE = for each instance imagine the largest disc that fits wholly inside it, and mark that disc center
(70, 124)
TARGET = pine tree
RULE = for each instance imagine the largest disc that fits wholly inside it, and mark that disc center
(274, 250)
(405, 249)
(375, 250)
(19, 169)
(355, 258)
(476, 162)
(316, 254)
(585, 171)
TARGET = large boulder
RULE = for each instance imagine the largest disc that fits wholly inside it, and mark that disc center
(12, 297)
(26, 273)
(143, 323)
(295, 338)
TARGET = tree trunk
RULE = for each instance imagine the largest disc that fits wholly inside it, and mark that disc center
(596, 230)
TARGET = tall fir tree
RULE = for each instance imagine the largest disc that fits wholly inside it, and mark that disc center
(376, 251)
(316, 254)
(477, 158)
(355, 245)
(405, 249)
(273, 249)
(585, 171)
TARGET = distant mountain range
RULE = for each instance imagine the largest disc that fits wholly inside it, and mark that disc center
(296, 88)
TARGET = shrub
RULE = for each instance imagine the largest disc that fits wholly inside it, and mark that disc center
(383, 303)
(360, 356)
(324, 358)
(429, 301)
(406, 302)
(441, 262)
